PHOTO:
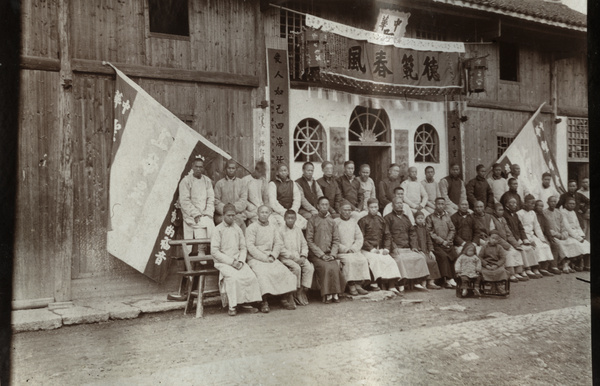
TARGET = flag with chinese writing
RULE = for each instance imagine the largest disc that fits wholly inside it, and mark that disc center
(532, 153)
(152, 151)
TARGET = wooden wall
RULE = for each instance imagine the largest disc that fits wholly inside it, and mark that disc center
(223, 41)
(482, 128)
(572, 81)
(37, 176)
(222, 36)
(533, 87)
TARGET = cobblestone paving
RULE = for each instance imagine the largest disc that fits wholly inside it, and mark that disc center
(509, 350)
(541, 336)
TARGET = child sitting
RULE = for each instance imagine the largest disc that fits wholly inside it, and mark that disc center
(493, 258)
(468, 267)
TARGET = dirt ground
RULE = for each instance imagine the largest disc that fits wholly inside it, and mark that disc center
(355, 342)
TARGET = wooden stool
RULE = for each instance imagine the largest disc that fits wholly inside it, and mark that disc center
(197, 268)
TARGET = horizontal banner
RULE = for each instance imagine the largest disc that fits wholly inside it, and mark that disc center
(373, 68)
(381, 38)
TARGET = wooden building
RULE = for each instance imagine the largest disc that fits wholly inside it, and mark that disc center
(535, 51)
(203, 60)
(206, 61)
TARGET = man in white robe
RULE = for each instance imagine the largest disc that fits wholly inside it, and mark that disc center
(294, 255)
(575, 232)
(354, 265)
(256, 185)
(545, 191)
(535, 235)
(415, 194)
(237, 282)
(197, 202)
(498, 183)
(231, 190)
(264, 246)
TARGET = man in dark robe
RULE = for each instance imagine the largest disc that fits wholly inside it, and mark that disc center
(323, 243)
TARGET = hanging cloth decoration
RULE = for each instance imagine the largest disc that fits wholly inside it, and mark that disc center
(476, 68)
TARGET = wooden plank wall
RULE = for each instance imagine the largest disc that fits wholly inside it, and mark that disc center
(223, 38)
(534, 71)
(39, 28)
(38, 162)
(219, 113)
(481, 146)
(572, 81)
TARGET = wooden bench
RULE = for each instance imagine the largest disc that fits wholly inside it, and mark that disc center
(197, 268)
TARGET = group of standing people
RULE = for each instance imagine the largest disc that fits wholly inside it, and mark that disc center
(346, 233)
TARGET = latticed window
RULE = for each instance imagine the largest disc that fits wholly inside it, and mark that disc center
(504, 142)
(290, 26)
(369, 125)
(427, 148)
(578, 139)
(309, 141)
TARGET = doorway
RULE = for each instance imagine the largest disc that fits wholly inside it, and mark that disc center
(377, 157)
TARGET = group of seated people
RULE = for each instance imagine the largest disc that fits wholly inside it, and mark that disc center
(284, 237)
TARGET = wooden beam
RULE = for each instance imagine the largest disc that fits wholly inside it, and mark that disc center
(162, 73)
(149, 72)
(63, 215)
(553, 84)
(39, 63)
(581, 112)
(510, 106)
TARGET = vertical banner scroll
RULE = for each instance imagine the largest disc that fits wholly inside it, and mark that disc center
(401, 142)
(279, 87)
(454, 139)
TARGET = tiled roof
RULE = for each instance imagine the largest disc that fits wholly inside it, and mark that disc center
(545, 11)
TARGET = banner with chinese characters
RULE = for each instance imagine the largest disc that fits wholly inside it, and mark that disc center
(369, 68)
(392, 23)
(323, 25)
(279, 86)
(152, 151)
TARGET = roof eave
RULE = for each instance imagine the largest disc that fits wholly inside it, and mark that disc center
(518, 15)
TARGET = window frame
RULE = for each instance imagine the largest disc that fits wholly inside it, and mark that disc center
(162, 35)
(383, 137)
(578, 137)
(320, 151)
(517, 59)
(506, 137)
(434, 154)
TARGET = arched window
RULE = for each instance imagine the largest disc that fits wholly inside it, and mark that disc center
(427, 148)
(369, 125)
(309, 141)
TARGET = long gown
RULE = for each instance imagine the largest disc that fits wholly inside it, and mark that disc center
(354, 265)
(534, 233)
(274, 278)
(377, 236)
(493, 254)
(323, 239)
(412, 265)
(236, 286)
